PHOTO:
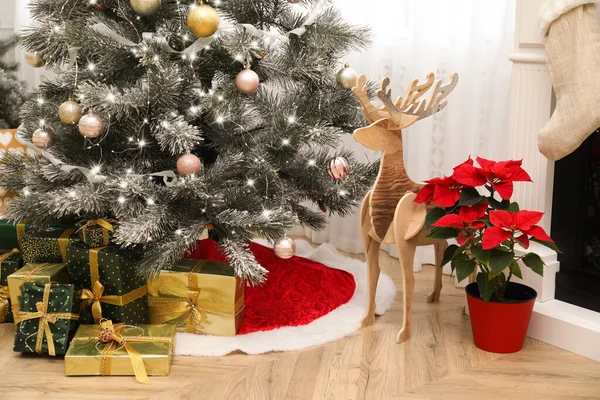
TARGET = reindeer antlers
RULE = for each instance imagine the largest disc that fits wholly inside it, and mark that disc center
(405, 112)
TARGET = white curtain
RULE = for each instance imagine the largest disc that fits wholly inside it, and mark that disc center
(410, 39)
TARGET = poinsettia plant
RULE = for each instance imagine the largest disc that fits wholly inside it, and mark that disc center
(473, 206)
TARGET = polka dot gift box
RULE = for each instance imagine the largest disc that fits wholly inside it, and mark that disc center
(47, 320)
(110, 287)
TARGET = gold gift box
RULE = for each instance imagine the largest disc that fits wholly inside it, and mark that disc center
(9, 143)
(87, 356)
(203, 297)
(37, 273)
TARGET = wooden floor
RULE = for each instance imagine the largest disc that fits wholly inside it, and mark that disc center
(440, 362)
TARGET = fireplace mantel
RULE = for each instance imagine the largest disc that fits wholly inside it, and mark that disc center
(563, 325)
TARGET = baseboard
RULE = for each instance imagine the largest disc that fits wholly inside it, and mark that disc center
(569, 327)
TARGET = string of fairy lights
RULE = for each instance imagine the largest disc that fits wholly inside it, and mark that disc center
(203, 21)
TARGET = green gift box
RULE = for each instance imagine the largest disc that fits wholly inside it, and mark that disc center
(110, 287)
(11, 234)
(49, 246)
(96, 233)
(10, 262)
(47, 319)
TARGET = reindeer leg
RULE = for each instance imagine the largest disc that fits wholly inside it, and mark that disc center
(372, 253)
(406, 251)
(440, 246)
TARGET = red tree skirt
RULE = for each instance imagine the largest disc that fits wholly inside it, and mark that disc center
(297, 291)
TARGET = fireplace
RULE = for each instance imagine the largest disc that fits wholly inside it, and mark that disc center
(576, 225)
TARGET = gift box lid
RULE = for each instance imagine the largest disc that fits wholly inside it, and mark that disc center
(205, 267)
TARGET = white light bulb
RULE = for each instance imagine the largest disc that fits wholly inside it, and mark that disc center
(142, 143)
(156, 57)
(285, 142)
(266, 213)
(91, 66)
(96, 169)
(150, 201)
(178, 232)
(211, 92)
(238, 57)
(183, 56)
(220, 98)
(291, 119)
(193, 109)
(146, 120)
(56, 28)
(185, 37)
(192, 57)
(204, 210)
(123, 184)
(254, 43)
(42, 122)
(40, 101)
(250, 182)
(129, 171)
(110, 97)
(72, 194)
(121, 199)
(342, 193)
(26, 192)
(220, 119)
(312, 163)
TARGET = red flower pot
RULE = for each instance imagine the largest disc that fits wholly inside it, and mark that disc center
(501, 327)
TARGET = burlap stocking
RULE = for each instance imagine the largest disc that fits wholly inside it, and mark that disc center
(573, 58)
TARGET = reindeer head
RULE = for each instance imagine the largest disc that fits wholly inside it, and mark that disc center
(387, 122)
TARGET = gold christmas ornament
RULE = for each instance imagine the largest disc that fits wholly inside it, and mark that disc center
(338, 168)
(43, 138)
(34, 60)
(145, 8)
(285, 248)
(203, 20)
(69, 112)
(295, 1)
(347, 77)
(91, 125)
(188, 164)
(247, 81)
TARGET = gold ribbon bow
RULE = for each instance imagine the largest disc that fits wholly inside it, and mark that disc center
(63, 242)
(111, 334)
(104, 224)
(46, 319)
(4, 294)
(95, 297)
(166, 309)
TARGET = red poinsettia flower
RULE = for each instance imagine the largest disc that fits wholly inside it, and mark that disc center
(502, 174)
(467, 218)
(504, 223)
(469, 175)
(444, 192)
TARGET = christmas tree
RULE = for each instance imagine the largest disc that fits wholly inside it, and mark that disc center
(12, 91)
(190, 119)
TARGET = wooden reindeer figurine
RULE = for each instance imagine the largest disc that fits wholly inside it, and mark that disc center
(388, 213)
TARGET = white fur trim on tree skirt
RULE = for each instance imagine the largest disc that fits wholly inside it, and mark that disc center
(552, 9)
(341, 322)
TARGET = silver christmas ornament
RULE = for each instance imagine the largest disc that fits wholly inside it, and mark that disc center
(91, 125)
(338, 168)
(285, 248)
(69, 112)
(347, 77)
(189, 164)
(247, 81)
(43, 138)
(34, 60)
(145, 8)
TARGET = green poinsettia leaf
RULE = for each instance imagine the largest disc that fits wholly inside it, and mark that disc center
(443, 233)
(550, 245)
(483, 256)
(534, 262)
(449, 254)
(500, 260)
(464, 272)
(486, 286)
(433, 216)
(513, 207)
(459, 262)
(516, 269)
(469, 197)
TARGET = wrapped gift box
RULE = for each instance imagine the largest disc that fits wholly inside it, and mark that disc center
(11, 234)
(96, 233)
(9, 143)
(47, 319)
(116, 349)
(10, 262)
(110, 287)
(37, 273)
(48, 246)
(203, 297)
